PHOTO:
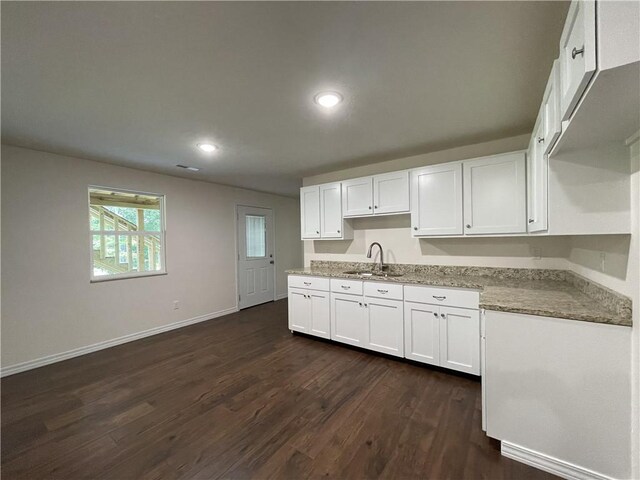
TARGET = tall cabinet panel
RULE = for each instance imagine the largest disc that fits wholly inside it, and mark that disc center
(330, 211)
(436, 200)
(495, 194)
(537, 180)
(310, 212)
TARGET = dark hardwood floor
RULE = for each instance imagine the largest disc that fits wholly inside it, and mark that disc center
(240, 397)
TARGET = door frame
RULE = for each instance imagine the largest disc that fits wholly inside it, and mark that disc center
(237, 249)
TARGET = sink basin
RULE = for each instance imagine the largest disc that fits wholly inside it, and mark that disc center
(364, 273)
(359, 272)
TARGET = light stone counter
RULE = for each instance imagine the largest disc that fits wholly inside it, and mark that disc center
(547, 293)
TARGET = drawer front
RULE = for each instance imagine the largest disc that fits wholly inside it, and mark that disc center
(442, 296)
(352, 287)
(312, 283)
(392, 291)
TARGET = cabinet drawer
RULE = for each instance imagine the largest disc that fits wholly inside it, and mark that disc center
(442, 296)
(392, 291)
(353, 287)
(313, 283)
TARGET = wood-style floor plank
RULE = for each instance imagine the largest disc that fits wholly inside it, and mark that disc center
(240, 397)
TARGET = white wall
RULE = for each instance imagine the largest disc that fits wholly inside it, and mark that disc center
(49, 306)
(621, 273)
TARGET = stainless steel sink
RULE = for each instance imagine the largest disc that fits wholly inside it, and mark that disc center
(359, 272)
(364, 273)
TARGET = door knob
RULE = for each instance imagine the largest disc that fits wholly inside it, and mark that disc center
(540, 139)
(435, 314)
(415, 228)
(442, 315)
(468, 225)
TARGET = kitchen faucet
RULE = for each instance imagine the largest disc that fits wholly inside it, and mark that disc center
(383, 267)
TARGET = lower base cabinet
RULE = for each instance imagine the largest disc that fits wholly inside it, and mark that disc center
(384, 326)
(348, 322)
(309, 312)
(445, 336)
(375, 316)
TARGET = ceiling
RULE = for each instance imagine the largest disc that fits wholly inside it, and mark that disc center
(141, 83)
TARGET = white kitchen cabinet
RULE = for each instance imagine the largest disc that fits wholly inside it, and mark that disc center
(309, 307)
(310, 212)
(439, 334)
(391, 193)
(299, 310)
(382, 194)
(460, 339)
(348, 319)
(384, 325)
(552, 124)
(436, 200)
(577, 54)
(495, 194)
(331, 211)
(537, 179)
(422, 332)
(357, 197)
(320, 314)
(321, 213)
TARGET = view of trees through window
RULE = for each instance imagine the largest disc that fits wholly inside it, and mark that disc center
(126, 233)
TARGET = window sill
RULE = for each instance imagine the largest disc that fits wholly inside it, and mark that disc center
(126, 276)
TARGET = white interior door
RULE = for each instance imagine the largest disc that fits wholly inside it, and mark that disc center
(255, 256)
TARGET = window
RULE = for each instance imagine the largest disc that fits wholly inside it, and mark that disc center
(256, 236)
(127, 234)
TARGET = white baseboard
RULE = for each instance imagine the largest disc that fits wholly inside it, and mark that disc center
(282, 296)
(549, 464)
(76, 352)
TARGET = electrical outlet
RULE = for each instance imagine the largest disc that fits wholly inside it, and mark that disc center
(536, 252)
(176, 305)
(603, 257)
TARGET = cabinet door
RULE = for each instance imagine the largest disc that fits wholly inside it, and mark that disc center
(460, 339)
(320, 322)
(537, 179)
(348, 324)
(436, 200)
(391, 193)
(422, 332)
(357, 197)
(551, 109)
(495, 194)
(310, 212)
(384, 326)
(577, 53)
(330, 211)
(299, 310)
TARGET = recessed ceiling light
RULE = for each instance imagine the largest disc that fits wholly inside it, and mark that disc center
(207, 147)
(186, 167)
(328, 99)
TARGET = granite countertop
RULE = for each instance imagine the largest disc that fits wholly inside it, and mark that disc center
(548, 293)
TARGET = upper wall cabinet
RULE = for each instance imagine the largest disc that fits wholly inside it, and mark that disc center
(321, 213)
(310, 212)
(357, 197)
(436, 200)
(577, 53)
(495, 194)
(378, 195)
(551, 109)
(391, 193)
(537, 178)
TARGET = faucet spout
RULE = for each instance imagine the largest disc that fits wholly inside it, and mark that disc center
(369, 253)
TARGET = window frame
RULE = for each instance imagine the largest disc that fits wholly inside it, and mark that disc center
(162, 234)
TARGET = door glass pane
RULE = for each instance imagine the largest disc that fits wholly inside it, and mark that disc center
(256, 236)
